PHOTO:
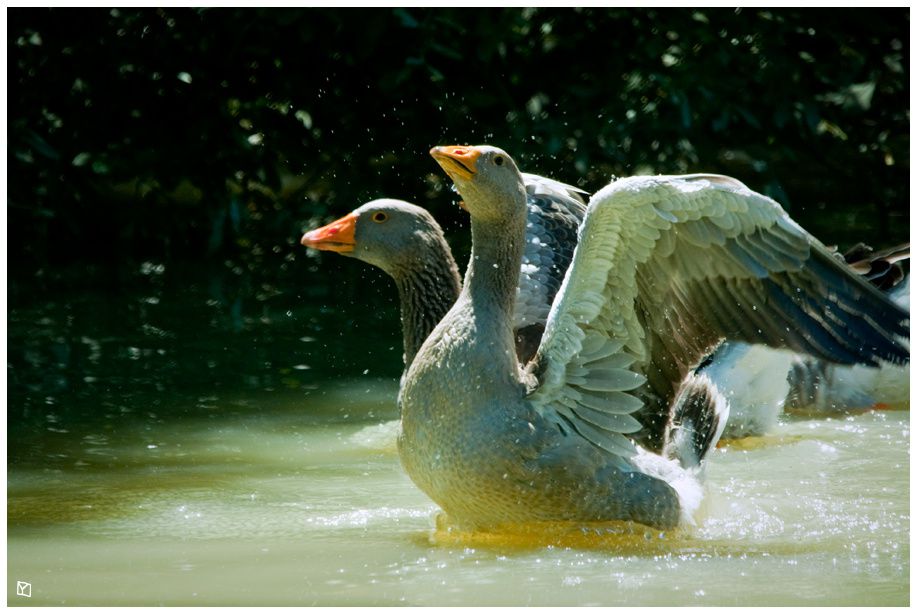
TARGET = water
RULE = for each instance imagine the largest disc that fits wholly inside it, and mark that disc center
(180, 443)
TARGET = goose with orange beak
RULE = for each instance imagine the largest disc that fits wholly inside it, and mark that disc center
(609, 420)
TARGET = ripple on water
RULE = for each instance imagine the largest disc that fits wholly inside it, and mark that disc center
(818, 514)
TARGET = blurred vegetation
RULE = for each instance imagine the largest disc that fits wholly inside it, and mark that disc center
(171, 135)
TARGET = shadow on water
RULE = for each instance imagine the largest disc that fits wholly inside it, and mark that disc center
(99, 355)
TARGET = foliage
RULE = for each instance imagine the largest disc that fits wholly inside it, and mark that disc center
(180, 133)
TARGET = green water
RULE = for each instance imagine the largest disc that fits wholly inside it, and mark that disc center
(185, 438)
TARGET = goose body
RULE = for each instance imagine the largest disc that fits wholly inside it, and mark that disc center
(596, 426)
(819, 388)
(761, 382)
(753, 378)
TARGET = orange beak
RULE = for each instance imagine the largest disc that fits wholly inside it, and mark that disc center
(459, 162)
(337, 236)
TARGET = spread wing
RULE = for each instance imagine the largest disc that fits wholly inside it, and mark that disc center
(555, 211)
(668, 267)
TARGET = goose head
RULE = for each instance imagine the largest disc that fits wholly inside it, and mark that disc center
(387, 233)
(487, 178)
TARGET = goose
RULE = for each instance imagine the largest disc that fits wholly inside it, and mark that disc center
(405, 241)
(609, 421)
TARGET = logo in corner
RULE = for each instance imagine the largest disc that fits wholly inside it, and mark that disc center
(23, 589)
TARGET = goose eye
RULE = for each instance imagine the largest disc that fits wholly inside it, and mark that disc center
(379, 217)
(498, 160)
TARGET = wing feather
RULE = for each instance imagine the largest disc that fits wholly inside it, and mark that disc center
(664, 270)
(555, 211)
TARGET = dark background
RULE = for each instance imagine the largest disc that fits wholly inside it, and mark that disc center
(164, 163)
(180, 135)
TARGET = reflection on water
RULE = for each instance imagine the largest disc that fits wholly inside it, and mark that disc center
(176, 451)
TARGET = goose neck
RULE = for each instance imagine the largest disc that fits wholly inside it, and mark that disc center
(426, 293)
(493, 271)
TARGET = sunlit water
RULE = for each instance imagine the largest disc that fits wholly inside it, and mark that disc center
(290, 492)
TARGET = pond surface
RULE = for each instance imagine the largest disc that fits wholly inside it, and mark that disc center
(199, 438)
